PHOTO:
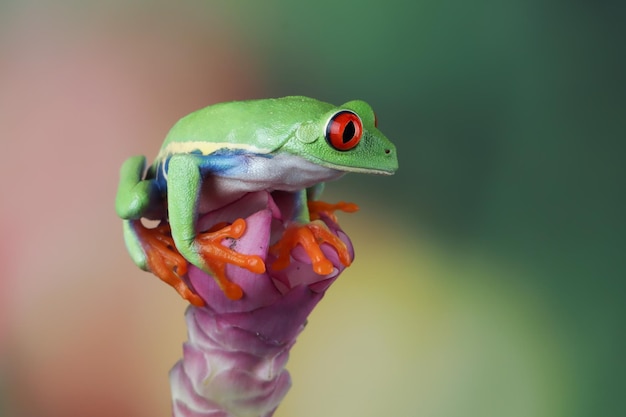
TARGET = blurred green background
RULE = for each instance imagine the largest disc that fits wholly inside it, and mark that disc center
(490, 272)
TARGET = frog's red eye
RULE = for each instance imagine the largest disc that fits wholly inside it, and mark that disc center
(344, 130)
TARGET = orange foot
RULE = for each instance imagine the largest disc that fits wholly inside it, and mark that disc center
(310, 236)
(318, 207)
(164, 260)
(217, 255)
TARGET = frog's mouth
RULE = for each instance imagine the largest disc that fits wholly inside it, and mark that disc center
(370, 171)
(385, 165)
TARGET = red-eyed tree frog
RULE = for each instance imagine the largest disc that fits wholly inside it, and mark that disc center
(217, 154)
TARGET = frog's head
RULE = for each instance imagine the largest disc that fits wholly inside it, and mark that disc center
(345, 138)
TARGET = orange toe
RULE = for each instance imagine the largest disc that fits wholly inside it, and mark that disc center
(310, 236)
(217, 256)
(316, 208)
(164, 260)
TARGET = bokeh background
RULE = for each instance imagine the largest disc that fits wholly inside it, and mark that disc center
(489, 278)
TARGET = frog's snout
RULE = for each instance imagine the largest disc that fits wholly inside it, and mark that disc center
(391, 159)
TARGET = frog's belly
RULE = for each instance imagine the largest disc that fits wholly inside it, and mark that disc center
(257, 172)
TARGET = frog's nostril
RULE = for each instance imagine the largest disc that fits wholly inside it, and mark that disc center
(387, 151)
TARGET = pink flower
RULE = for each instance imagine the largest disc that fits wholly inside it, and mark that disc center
(233, 363)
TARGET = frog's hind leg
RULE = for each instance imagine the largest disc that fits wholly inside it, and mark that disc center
(137, 197)
(153, 250)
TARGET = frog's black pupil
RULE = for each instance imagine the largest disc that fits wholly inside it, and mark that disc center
(348, 132)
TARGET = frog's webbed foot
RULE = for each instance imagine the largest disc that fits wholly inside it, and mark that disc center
(164, 260)
(217, 256)
(317, 207)
(310, 236)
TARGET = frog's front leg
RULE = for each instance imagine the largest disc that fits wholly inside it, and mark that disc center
(204, 250)
(315, 207)
(308, 231)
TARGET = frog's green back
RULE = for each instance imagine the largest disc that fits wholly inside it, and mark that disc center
(260, 126)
